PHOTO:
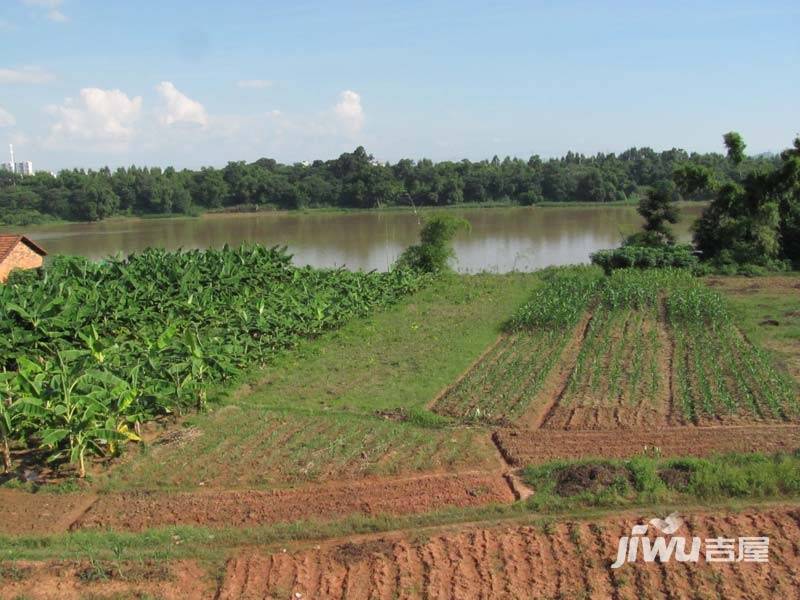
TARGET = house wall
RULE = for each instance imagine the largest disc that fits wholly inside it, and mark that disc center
(21, 257)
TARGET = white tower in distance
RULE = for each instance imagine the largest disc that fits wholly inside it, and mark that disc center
(9, 166)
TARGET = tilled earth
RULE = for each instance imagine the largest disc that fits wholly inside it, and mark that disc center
(526, 446)
(57, 580)
(137, 511)
(569, 559)
(563, 560)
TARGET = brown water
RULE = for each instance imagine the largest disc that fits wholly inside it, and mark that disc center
(502, 239)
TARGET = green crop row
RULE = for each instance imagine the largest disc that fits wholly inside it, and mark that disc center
(561, 301)
(499, 388)
(718, 374)
(88, 351)
(634, 288)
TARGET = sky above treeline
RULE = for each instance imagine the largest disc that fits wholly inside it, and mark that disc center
(87, 83)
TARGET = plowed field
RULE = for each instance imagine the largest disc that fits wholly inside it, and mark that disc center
(524, 447)
(142, 510)
(266, 448)
(621, 375)
(565, 560)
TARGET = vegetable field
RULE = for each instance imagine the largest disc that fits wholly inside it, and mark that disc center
(500, 387)
(650, 348)
(719, 376)
(268, 448)
(621, 373)
(89, 351)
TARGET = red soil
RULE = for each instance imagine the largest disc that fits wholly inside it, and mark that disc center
(24, 513)
(179, 580)
(523, 447)
(143, 510)
(566, 560)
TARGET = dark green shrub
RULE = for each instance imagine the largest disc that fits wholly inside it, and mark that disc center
(433, 253)
(646, 257)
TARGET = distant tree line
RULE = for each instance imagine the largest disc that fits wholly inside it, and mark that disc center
(355, 180)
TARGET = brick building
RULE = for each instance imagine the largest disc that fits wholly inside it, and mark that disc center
(18, 252)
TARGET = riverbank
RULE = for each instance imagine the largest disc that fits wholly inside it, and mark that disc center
(273, 210)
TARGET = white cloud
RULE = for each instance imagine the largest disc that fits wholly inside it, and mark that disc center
(30, 74)
(179, 108)
(52, 7)
(105, 116)
(6, 118)
(349, 111)
(257, 84)
(57, 16)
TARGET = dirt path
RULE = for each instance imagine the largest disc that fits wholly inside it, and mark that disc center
(522, 447)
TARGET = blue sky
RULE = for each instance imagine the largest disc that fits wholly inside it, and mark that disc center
(190, 83)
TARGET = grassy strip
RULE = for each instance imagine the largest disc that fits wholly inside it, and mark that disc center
(643, 480)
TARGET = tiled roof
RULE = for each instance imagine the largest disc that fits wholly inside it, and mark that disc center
(7, 243)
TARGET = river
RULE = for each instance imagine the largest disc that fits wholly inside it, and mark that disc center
(501, 239)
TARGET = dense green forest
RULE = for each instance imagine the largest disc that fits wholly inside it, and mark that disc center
(751, 224)
(354, 180)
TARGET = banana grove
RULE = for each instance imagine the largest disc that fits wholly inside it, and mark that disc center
(89, 351)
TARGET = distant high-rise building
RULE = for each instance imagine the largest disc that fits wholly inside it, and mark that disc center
(24, 168)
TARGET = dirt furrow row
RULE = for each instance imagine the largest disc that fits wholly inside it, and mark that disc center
(143, 510)
(521, 447)
(564, 560)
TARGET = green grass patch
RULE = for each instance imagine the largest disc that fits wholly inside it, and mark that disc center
(770, 318)
(644, 480)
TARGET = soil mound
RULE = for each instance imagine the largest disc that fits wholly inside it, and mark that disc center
(575, 479)
(676, 477)
(523, 447)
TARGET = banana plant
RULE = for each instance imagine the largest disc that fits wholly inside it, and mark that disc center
(93, 349)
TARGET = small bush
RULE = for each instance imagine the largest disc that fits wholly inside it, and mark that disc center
(434, 252)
